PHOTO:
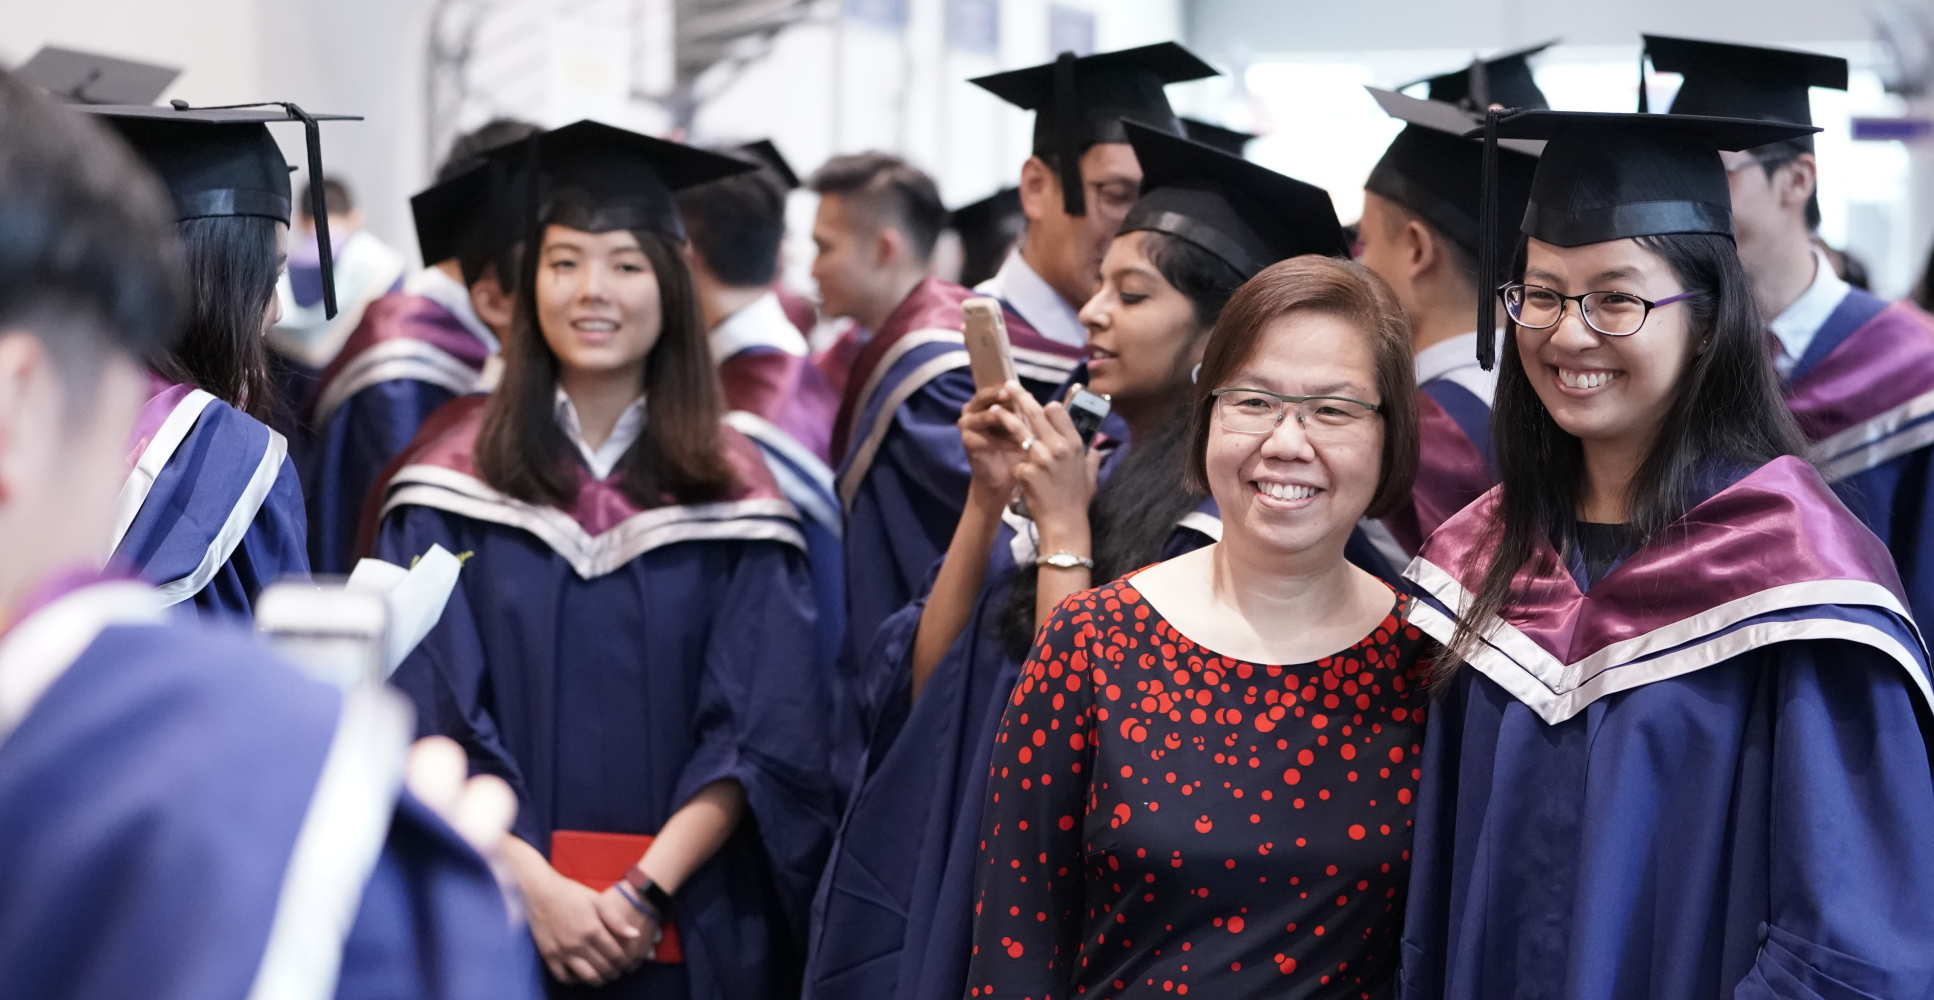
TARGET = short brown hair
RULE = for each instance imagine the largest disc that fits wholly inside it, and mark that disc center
(1339, 288)
(896, 192)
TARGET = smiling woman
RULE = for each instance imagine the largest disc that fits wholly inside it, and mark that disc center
(1202, 782)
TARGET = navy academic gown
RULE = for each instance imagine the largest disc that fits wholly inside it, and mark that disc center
(411, 354)
(1705, 774)
(903, 472)
(893, 919)
(212, 509)
(185, 817)
(1864, 394)
(609, 662)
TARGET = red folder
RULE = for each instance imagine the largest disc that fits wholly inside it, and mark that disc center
(600, 860)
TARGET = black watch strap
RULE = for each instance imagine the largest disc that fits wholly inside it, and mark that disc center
(649, 891)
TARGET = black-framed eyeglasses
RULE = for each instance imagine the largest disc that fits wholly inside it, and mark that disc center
(1614, 314)
(1243, 410)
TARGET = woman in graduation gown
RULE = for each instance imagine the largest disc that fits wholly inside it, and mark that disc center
(212, 511)
(1680, 749)
(894, 917)
(625, 643)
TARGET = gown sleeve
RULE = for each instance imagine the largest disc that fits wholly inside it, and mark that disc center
(1852, 860)
(275, 547)
(763, 717)
(445, 676)
(1028, 915)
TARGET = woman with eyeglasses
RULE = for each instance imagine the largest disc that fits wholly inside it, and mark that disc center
(1679, 744)
(1203, 781)
(895, 917)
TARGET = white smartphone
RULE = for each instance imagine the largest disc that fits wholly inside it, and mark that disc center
(337, 635)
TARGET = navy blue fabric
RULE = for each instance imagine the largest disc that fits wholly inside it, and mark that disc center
(191, 500)
(149, 805)
(1851, 314)
(351, 450)
(608, 703)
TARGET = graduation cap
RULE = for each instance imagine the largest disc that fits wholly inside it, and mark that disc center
(1434, 169)
(1230, 140)
(1606, 176)
(480, 204)
(988, 229)
(1248, 216)
(627, 179)
(1081, 100)
(1745, 81)
(92, 78)
(767, 155)
(222, 162)
(1501, 79)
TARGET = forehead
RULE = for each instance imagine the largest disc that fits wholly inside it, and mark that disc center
(1109, 162)
(1593, 259)
(608, 242)
(1307, 351)
(1128, 251)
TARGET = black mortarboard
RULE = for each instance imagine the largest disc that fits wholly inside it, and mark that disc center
(1233, 141)
(219, 162)
(1616, 176)
(1081, 100)
(764, 153)
(1742, 81)
(1247, 215)
(1501, 79)
(481, 207)
(627, 178)
(1434, 169)
(92, 78)
(988, 229)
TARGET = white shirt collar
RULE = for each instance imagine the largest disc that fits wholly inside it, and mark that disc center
(759, 323)
(1030, 295)
(448, 292)
(1797, 326)
(603, 458)
(1445, 356)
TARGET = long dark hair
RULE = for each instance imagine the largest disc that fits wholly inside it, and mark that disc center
(1727, 412)
(1133, 514)
(521, 450)
(231, 276)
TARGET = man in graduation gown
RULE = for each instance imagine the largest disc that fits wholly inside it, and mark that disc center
(903, 476)
(775, 395)
(1859, 369)
(1420, 235)
(182, 814)
(418, 347)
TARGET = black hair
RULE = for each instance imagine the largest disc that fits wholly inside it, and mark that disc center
(896, 192)
(735, 226)
(232, 275)
(1924, 292)
(1134, 513)
(521, 450)
(336, 197)
(1728, 412)
(88, 262)
(467, 149)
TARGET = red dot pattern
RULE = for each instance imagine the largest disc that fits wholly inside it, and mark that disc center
(1165, 821)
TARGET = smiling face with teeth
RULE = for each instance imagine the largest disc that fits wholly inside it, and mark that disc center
(1286, 492)
(1607, 391)
(598, 301)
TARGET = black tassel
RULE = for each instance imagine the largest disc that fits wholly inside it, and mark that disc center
(1064, 114)
(1645, 103)
(318, 206)
(1487, 255)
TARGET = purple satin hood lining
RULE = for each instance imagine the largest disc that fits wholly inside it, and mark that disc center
(600, 504)
(164, 397)
(1885, 363)
(1779, 525)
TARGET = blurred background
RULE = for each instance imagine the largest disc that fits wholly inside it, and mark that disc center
(826, 76)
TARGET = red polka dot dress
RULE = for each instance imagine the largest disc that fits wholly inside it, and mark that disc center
(1166, 821)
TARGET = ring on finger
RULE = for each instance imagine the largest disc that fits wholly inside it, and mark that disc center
(1028, 445)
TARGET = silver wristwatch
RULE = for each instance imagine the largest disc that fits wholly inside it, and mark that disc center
(1065, 560)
